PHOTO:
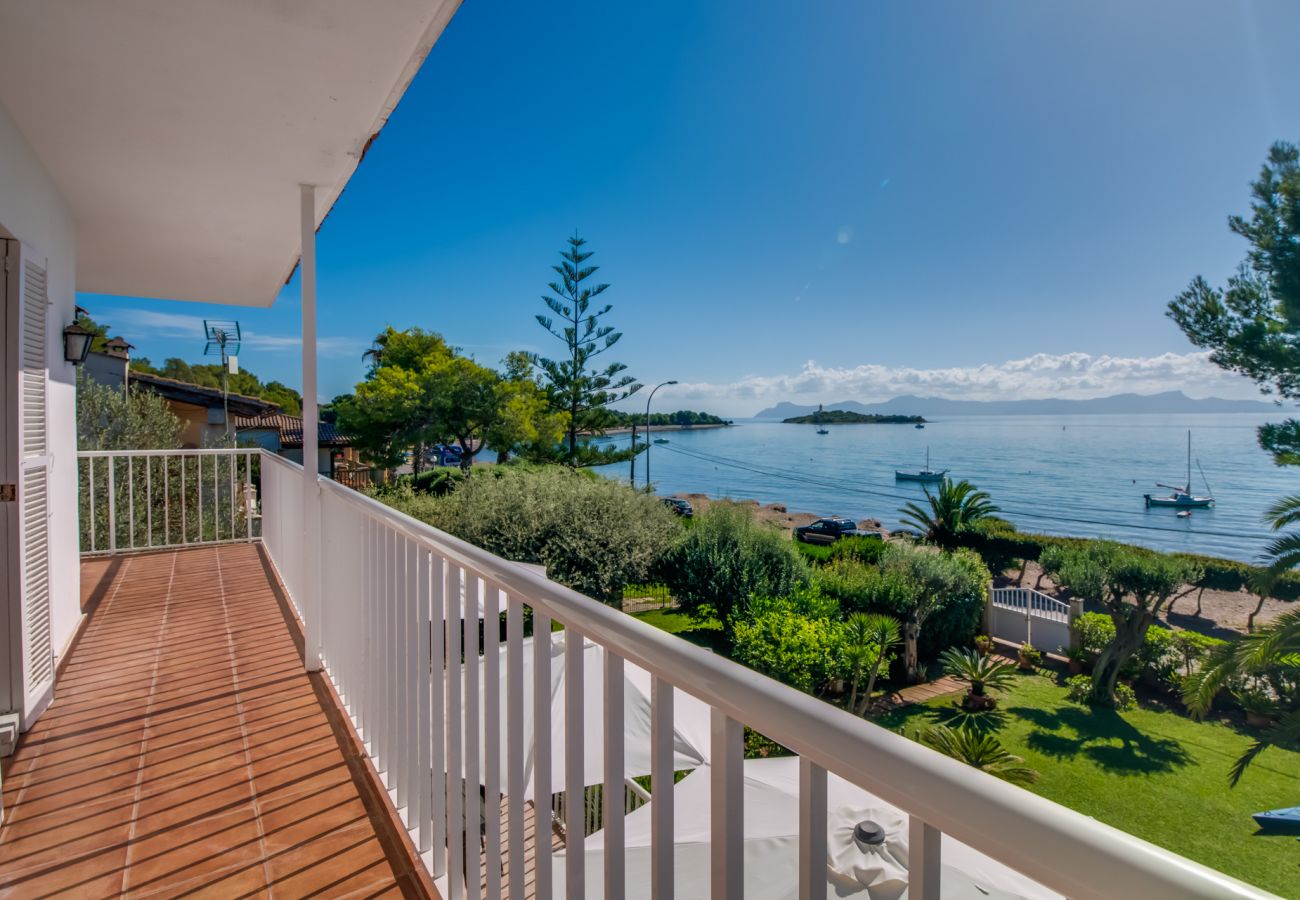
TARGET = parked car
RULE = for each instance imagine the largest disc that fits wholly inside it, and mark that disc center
(444, 455)
(827, 531)
(682, 507)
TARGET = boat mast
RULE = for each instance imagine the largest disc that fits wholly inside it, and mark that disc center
(1189, 462)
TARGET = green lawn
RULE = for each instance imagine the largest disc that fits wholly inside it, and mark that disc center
(706, 634)
(1155, 774)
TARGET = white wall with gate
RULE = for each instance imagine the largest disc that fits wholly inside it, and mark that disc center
(1021, 615)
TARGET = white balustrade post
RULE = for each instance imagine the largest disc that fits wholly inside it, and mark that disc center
(727, 807)
(310, 603)
(812, 830)
(923, 860)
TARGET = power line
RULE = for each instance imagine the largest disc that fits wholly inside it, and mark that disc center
(860, 489)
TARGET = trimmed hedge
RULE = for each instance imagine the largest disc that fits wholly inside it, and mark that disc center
(1001, 545)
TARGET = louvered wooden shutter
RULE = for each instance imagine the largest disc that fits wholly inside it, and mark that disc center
(35, 307)
(38, 651)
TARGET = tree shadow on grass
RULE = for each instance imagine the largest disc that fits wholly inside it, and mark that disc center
(918, 718)
(1103, 736)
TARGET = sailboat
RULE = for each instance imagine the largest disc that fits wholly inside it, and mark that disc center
(817, 420)
(1182, 497)
(926, 475)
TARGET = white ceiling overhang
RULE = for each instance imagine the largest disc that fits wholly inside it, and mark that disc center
(179, 131)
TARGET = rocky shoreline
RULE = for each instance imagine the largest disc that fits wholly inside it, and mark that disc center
(774, 513)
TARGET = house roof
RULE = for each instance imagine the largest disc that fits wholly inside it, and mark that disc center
(179, 131)
(290, 428)
(199, 395)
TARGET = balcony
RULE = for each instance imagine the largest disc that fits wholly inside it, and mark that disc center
(187, 748)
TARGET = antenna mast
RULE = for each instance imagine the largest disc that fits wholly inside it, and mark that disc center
(223, 340)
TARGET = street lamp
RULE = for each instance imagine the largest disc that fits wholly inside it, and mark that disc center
(648, 442)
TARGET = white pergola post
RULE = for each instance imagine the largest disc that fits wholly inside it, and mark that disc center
(311, 557)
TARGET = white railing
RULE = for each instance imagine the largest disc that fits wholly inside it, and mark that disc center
(282, 532)
(394, 601)
(1032, 602)
(1026, 616)
(151, 499)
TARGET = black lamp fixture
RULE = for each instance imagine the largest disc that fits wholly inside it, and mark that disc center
(76, 343)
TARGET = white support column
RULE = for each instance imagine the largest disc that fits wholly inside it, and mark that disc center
(310, 604)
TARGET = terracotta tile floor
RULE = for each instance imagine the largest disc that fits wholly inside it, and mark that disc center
(187, 752)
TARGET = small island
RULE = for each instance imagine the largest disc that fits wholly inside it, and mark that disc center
(843, 417)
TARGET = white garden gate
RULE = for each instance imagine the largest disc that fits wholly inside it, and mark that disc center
(1023, 615)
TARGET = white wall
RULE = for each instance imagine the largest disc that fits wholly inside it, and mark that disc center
(34, 211)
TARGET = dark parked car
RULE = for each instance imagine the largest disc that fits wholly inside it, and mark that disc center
(679, 506)
(827, 531)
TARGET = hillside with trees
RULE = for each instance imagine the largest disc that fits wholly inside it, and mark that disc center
(203, 374)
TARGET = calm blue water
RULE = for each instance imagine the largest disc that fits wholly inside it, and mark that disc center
(1078, 475)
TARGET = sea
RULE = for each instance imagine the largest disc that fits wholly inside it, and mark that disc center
(1079, 475)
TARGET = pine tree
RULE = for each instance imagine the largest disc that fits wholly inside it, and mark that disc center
(574, 384)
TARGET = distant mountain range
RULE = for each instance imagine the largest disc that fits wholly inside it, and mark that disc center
(909, 405)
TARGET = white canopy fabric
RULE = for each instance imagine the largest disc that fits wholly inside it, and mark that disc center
(690, 718)
(771, 846)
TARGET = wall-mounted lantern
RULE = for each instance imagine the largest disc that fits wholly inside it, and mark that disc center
(76, 343)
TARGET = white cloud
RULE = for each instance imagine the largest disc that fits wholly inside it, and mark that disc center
(844, 235)
(140, 324)
(1067, 375)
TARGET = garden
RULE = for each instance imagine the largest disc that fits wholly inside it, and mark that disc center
(1148, 728)
(1151, 771)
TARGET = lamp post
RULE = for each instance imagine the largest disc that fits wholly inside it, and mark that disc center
(648, 442)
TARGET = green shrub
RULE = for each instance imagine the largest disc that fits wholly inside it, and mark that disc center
(1080, 691)
(439, 481)
(1190, 647)
(799, 650)
(1094, 631)
(894, 587)
(1156, 658)
(727, 557)
(864, 549)
(815, 553)
(593, 534)
(862, 588)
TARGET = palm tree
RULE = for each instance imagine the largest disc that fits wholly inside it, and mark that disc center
(957, 506)
(981, 673)
(979, 750)
(1272, 653)
(868, 638)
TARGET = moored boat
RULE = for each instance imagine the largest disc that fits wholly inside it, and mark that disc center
(926, 475)
(1181, 497)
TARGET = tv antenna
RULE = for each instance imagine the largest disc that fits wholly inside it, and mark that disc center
(223, 340)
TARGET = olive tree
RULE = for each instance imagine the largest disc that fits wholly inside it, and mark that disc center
(1133, 586)
(934, 580)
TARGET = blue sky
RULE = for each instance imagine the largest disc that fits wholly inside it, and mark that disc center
(816, 201)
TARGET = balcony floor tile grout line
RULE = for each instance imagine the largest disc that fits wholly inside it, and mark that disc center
(243, 731)
(21, 795)
(144, 734)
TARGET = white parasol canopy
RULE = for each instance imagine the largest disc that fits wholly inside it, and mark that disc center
(690, 718)
(771, 845)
